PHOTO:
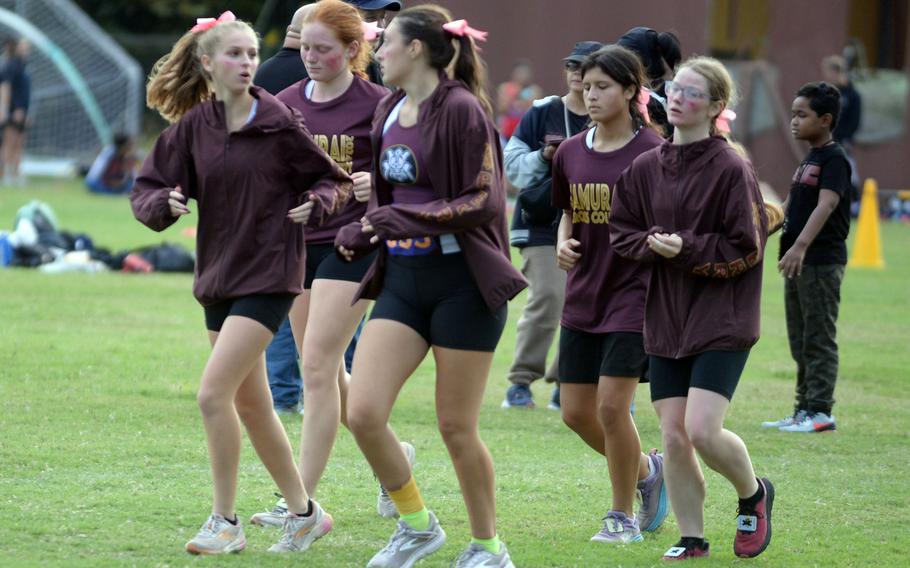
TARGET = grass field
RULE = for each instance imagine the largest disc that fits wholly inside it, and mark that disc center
(103, 459)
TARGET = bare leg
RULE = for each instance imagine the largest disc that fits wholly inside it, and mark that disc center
(236, 352)
(334, 324)
(387, 354)
(722, 450)
(682, 474)
(461, 377)
(623, 446)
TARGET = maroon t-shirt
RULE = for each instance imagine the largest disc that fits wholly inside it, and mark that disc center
(341, 127)
(605, 292)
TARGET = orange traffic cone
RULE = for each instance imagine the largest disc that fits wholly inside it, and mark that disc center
(867, 249)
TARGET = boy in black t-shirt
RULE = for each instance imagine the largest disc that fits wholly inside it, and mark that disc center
(813, 253)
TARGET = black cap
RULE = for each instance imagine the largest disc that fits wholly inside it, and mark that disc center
(393, 5)
(583, 49)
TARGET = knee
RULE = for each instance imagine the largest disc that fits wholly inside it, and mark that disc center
(248, 411)
(318, 371)
(456, 434)
(364, 420)
(211, 402)
(611, 414)
(675, 440)
(700, 436)
(575, 418)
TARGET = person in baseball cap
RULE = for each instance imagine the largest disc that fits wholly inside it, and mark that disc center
(375, 10)
(581, 50)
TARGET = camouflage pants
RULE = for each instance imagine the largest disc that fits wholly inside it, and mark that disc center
(812, 300)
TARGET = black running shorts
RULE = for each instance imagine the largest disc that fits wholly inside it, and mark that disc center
(437, 297)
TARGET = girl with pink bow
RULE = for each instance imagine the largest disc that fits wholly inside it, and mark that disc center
(252, 169)
(442, 277)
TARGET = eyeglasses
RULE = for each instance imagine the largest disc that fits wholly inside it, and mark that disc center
(573, 66)
(689, 93)
(378, 16)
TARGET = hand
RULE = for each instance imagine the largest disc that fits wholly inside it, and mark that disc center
(301, 213)
(791, 265)
(177, 202)
(366, 227)
(548, 151)
(348, 254)
(566, 256)
(363, 186)
(667, 246)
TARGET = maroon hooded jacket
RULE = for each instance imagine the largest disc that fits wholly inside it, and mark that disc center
(244, 183)
(461, 142)
(707, 298)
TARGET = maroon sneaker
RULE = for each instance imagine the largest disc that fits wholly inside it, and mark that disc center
(753, 530)
(687, 548)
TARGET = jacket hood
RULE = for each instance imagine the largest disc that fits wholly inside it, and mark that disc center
(271, 114)
(428, 107)
(676, 158)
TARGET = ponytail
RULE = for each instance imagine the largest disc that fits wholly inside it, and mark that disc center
(457, 55)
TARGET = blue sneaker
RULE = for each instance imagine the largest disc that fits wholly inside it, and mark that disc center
(554, 400)
(518, 396)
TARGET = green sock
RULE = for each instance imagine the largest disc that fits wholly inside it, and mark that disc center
(419, 520)
(493, 545)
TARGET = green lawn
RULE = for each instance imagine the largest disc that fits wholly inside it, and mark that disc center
(103, 459)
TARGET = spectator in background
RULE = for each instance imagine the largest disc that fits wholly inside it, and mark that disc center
(659, 53)
(285, 68)
(375, 11)
(527, 161)
(15, 94)
(281, 357)
(114, 170)
(834, 71)
(515, 96)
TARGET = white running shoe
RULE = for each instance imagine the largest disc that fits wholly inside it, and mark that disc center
(476, 556)
(217, 536)
(273, 518)
(384, 505)
(794, 418)
(300, 532)
(408, 545)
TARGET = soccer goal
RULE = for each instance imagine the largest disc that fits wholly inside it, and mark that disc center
(84, 87)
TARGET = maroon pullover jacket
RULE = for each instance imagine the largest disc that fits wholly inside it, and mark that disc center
(244, 183)
(708, 297)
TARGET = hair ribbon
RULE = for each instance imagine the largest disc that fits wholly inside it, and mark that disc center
(461, 28)
(371, 30)
(723, 120)
(205, 24)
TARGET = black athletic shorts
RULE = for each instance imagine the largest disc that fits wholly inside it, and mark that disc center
(322, 262)
(268, 309)
(585, 357)
(437, 297)
(716, 371)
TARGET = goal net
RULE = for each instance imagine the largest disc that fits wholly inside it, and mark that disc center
(84, 87)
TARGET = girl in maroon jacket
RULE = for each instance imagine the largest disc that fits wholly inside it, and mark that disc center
(248, 161)
(443, 274)
(601, 350)
(337, 103)
(692, 208)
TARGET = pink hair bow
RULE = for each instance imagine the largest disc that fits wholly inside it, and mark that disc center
(461, 28)
(371, 30)
(644, 95)
(205, 24)
(723, 120)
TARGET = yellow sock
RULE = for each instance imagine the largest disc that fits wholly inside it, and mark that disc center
(410, 505)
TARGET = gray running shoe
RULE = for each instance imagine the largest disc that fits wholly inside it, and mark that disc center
(652, 493)
(476, 556)
(795, 418)
(618, 529)
(408, 545)
(384, 505)
(217, 536)
(300, 532)
(273, 518)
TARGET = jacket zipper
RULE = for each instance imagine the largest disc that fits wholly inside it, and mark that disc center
(676, 207)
